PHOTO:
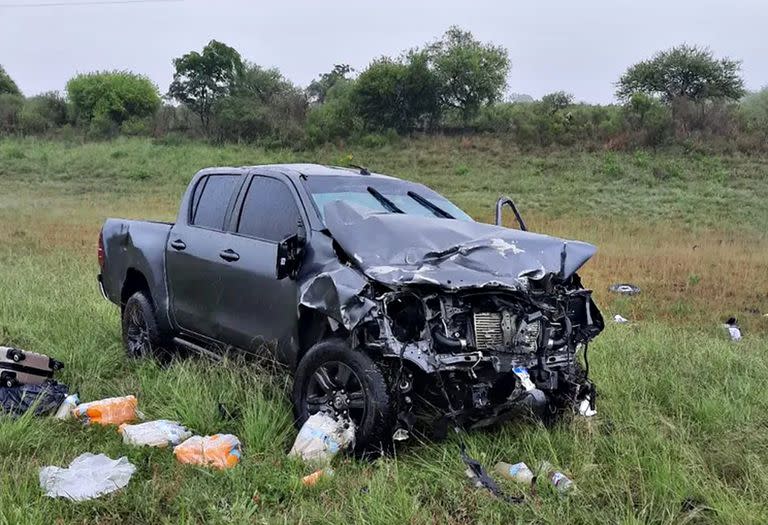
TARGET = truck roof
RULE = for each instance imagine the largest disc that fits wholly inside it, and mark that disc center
(319, 170)
(308, 170)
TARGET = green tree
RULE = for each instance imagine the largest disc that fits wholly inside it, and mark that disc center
(471, 73)
(201, 79)
(398, 94)
(7, 85)
(262, 104)
(556, 101)
(111, 97)
(337, 117)
(683, 72)
(318, 88)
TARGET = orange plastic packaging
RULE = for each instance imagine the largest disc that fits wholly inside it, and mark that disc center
(111, 411)
(312, 479)
(219, 451)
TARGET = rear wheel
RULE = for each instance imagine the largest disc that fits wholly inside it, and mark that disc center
(333, 378)
(141, 334)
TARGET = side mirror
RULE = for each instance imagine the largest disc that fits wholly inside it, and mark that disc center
(289, 252)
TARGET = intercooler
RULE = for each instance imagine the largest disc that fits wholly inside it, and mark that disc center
(504, 332)
(487, 328)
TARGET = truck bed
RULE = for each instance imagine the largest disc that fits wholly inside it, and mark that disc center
(135, 246)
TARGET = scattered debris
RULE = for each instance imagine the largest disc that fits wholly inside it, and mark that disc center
(160, 433)
(586, 407)
(560, 481)
(401, 434)
(525, 378)
(219, 451)
(322, 437)
(624, 289)
(619, 319)
(88, 476)
(18, 367)
(734, 332)
(111, 411)
(481, 479)
(518, 472)
(42, 399)
(312, 479)
(67, 407)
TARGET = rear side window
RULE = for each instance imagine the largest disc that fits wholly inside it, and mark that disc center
(269, 210)
(209, 203)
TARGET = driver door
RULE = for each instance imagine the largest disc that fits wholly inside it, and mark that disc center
(255, 306)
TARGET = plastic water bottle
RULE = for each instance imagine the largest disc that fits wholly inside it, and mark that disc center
(518, 472)
(560, 481)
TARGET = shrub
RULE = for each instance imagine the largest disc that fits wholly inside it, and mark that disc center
(111, 96)
(753, 112)
(42, 113)
(336, 118)
(264, 106)
(136, 127)
(10, 109)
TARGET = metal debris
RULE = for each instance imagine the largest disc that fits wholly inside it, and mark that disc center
(624, 289)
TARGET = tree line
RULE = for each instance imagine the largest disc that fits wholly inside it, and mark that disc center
(455, 84)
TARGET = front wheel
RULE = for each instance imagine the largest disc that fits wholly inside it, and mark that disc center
(332, 377)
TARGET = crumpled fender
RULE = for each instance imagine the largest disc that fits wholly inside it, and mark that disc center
(339, 294)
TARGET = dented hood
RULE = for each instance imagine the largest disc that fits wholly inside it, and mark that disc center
(398, 249)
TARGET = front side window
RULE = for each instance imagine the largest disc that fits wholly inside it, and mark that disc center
(211, 199)
(269, 210)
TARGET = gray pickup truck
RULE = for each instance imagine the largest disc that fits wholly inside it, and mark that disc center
(388, 303)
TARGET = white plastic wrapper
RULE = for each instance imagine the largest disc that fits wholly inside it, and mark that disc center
(585, 408)
(67, 406)
(88, 476)
(160, 433)
(322, 437)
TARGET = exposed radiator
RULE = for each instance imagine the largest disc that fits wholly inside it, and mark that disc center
(488, 334)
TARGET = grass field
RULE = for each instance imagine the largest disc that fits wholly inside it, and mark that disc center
(682, 431)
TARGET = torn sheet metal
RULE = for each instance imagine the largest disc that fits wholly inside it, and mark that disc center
(339, 295)
(398, 249)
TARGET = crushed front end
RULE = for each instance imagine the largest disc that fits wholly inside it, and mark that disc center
(480, 354)
(472, 320)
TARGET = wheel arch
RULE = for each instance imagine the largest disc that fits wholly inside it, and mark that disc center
(134, 281)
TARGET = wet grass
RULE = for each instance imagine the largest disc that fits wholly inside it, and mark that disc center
(682, 435)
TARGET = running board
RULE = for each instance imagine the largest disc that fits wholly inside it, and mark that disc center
(197, 349)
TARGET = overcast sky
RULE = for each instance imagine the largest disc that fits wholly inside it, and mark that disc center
(581, 46)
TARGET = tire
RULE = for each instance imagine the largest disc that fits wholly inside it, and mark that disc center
(142, 337)
(375, 421)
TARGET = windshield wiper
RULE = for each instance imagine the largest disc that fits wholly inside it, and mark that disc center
(388, 204)
(437, 210)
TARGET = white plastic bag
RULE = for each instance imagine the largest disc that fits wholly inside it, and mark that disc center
(322, 437)
(88, 476)
(160, 433)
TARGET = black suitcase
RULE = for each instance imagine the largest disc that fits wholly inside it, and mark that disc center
(18, 367)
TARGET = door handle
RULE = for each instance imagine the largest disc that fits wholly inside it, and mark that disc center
(178, 244)
(229, 255)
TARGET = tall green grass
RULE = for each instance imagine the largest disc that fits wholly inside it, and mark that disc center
(682, 431)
